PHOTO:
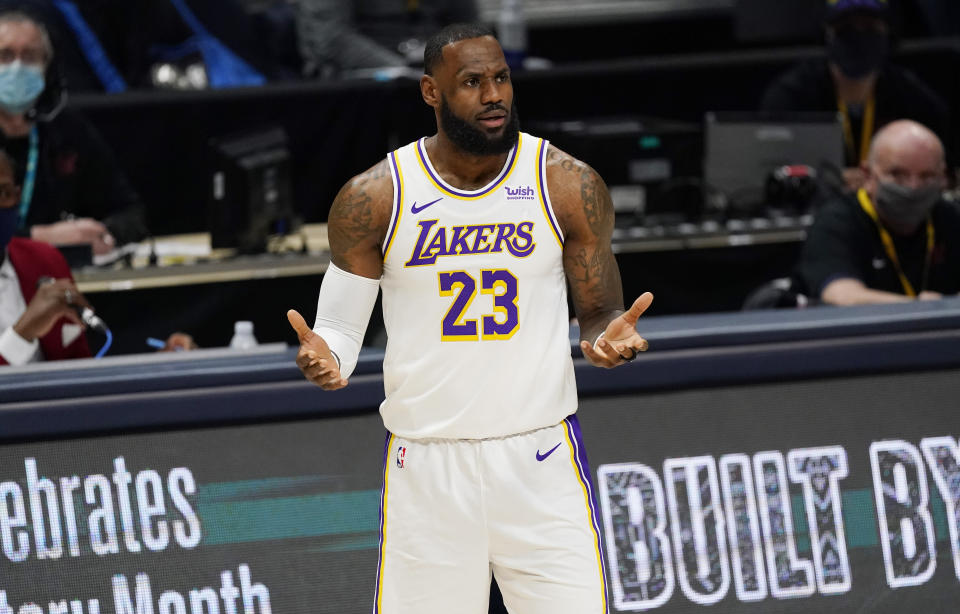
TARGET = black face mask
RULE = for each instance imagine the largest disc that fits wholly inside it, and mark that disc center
(858, 52)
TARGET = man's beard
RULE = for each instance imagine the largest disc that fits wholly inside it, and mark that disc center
(475, 141)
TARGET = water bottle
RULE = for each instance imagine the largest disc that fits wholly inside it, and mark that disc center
(512, 32)
(243, 338)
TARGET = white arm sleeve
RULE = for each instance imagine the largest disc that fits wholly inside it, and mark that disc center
(343, 312)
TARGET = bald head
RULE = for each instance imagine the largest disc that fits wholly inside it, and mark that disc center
(906, 153)
(909, 140)
(906, 172)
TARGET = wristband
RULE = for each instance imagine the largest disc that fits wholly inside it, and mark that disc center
(343, 311)
(599, 337)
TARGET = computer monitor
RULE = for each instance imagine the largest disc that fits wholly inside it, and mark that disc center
(743, 149)
(250, 197)
(645, 161)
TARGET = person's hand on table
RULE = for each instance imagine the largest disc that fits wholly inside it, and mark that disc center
(179, 342)
(80, 231)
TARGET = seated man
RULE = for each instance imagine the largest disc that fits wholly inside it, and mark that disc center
(896, 239)
(857, 80)
(72, 190)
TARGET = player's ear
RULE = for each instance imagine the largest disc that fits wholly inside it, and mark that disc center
(429, 91)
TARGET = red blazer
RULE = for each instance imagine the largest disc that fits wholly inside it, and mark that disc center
(33, 260)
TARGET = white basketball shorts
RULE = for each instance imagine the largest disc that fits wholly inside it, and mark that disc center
(522, 508)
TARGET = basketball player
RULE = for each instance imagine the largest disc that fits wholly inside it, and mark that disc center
(471, 234)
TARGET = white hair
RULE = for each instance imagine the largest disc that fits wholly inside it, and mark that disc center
(21, 17)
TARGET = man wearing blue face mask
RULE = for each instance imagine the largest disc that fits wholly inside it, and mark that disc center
(857, 80)
(72, 190)
(896, 239)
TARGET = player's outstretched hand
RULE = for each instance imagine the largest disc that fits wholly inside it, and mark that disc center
(315, 358)
(620, 341)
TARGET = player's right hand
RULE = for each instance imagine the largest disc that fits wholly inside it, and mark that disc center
(315, 359)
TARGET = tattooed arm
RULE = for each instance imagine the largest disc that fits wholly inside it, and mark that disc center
(356, 228)
(358, 221)
(585, 212)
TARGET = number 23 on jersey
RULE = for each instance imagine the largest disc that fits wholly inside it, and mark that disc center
(501, 322)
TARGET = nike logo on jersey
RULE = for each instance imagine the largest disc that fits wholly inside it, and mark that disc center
(541, 457)
(415, 209)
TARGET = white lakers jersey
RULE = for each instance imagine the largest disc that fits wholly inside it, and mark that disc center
(474, 302)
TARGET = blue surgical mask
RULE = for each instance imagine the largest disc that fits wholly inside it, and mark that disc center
(8, 225)
(20, 86)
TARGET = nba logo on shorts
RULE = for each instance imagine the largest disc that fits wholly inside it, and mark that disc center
(401, 454)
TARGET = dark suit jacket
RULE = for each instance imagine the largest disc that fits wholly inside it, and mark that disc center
(33, 260)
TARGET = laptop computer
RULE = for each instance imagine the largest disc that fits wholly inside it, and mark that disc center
(741, 150)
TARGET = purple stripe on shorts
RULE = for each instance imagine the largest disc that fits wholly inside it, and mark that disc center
(583, 465)
(376, 593)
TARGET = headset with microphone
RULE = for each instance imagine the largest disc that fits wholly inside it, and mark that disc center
(54, 96)
(44, 113)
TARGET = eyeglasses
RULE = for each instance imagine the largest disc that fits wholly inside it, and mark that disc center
(28, 55)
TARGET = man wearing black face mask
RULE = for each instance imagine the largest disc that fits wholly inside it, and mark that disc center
(894, 240)
(856, 79)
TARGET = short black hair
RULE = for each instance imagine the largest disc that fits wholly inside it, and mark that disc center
(456, 32)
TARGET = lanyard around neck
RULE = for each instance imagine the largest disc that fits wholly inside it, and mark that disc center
(866, 134)
(30, 176)
(891, 249)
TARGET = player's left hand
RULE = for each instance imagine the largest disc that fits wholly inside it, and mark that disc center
(620, 341)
